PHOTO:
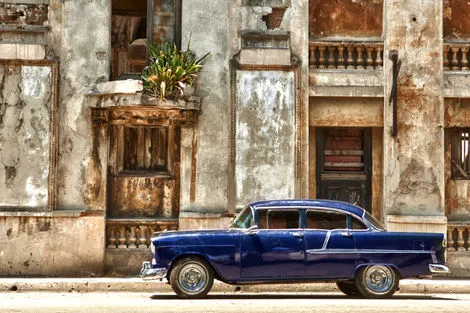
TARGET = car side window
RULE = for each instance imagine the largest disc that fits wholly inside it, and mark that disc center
(325, 220)
(357, 224)
(278, 219)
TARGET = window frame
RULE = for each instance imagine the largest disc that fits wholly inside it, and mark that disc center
(457, 172)
(178, 21)
(348, 222)
(268, 210)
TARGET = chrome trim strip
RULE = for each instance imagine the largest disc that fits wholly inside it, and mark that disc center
(307, 207)
(330, 251)
(438, 269)
(327, 239)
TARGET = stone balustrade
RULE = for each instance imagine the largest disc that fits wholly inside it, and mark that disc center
(456, 56)
(351, 55)
(457, 236)
(135, 233)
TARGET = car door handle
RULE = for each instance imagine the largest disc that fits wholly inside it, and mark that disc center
(346, 233)
(297, 234)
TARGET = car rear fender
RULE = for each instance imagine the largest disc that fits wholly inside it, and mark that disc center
(359, 266)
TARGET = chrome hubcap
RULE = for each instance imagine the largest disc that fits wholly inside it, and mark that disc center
(379, 279)
(193, 277)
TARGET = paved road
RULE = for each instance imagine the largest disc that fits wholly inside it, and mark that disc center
(42, 302)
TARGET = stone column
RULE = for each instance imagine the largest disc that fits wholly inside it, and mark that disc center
(413, 160)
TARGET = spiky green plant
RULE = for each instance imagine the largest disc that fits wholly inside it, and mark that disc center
(170, 70)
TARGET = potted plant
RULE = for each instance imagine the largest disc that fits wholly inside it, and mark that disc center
(170, 71)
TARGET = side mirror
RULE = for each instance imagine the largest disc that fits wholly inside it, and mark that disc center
(252, 230)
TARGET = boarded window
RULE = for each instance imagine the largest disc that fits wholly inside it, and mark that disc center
(145, 149)
(460, 154)
(344, 150)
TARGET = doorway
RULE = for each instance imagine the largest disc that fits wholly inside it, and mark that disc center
(344, 165)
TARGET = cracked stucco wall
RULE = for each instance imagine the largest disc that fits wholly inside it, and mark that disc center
(414, 159)
(25, 102)
(84, 50)
(50, 245)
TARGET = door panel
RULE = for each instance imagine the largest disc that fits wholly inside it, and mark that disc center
(330, 246)
(345, 190)
(273, 254)
(337, 260)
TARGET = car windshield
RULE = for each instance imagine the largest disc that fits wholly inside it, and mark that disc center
(371, 219)
(243, 220)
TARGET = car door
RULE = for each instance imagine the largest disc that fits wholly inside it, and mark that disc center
(329, 244)
(276, 250)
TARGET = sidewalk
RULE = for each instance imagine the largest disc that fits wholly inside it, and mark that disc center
(135, 284)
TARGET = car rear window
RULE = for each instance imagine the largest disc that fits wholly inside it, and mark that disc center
(325, 220)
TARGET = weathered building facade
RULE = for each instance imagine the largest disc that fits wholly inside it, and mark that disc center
(365, 101)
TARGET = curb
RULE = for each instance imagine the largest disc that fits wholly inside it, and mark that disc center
(134, 284)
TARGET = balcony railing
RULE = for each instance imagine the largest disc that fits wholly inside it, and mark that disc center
(457, 236)
(351, 55)
(456, 56)
(134, 234)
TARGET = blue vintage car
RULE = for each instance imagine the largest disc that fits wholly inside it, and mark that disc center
(296, 241)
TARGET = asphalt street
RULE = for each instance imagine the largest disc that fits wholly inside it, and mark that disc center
(217, 302)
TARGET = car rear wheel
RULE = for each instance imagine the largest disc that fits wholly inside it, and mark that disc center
(348, 288)
(377, 281)
(191, 278)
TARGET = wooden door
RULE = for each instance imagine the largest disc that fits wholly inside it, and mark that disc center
(344, 165)
(143, 172)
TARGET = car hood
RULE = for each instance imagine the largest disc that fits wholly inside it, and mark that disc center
(195, 237)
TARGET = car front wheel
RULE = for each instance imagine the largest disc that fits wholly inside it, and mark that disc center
(191, 278)
(377, 281)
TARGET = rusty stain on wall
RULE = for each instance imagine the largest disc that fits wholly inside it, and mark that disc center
(345, 18)
(456, 19)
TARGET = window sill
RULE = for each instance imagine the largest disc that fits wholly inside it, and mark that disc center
(150, 174)
(58, 213)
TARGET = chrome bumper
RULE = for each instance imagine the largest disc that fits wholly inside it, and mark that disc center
(438, 269)
(149, 273)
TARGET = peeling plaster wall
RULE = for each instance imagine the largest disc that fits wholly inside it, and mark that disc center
(413, 161)
(265, 136)
(254, 16)
(215, 27)
(52, 246)
(84, 62)
(25, 102)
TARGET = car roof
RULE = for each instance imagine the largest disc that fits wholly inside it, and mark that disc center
(326, 204)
